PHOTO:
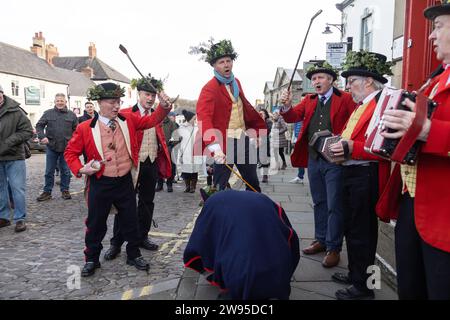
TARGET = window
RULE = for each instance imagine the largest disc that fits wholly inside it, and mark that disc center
(366, 33)
(15, 88)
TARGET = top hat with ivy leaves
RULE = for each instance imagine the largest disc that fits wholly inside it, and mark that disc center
(211, 52)
(366, 64)
(107, 90)
(322, 67)
(141, 84)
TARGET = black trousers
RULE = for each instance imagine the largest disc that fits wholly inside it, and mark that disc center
(360, 195)
(102, 194)
(148, 175)
(244, 156)
(423, 272)
(281, 153)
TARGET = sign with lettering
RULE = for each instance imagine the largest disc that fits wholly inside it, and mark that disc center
(32, 95)
(336, 52)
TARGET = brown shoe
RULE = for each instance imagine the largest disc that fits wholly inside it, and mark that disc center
(66, 195)
(314, 248)
(4, 223)
(331, 259)
(44, 196)
(20, 226)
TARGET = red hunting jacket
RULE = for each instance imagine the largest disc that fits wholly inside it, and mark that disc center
(432, 198)
(163, 158)
(214, 112)
(342, 106)
(86, 138)
(384, 166)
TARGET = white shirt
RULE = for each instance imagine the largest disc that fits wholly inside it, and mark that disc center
(104, 120)
(142, 110)
(327, 95)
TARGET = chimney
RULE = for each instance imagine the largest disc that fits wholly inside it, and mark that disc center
(38, 47)
(92, 50)
(88, 72)
(50, 52)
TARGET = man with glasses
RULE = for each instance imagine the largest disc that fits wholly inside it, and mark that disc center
(364, 175)
(109, 141)
(327, 109)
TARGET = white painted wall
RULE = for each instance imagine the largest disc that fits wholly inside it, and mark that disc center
(47, 99)
(382, 24)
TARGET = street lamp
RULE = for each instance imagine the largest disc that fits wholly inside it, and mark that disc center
(338, 26)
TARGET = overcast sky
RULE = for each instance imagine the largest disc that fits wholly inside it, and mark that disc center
(266, 34)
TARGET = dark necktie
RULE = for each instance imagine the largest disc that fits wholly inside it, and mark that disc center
(322, 100)
(112, 124)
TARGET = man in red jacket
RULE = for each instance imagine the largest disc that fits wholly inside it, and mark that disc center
(227, 121)
(328, 109)
(153, 157)
(422, 232)
(364, 175)
(112, 150)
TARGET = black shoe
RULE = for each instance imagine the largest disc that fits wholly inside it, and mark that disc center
(169, 188)
(352, 293)
(112, 252)
(147, 244)
(89, 268)
(340, 277)
(139, 263)
(159, 187)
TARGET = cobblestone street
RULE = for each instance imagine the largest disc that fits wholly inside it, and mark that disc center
(35, 263)
(40, 262)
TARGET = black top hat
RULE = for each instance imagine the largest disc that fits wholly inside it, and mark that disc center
(321, 67)
(188, 115)
(107, 90)
(435, 11)
(366, 64)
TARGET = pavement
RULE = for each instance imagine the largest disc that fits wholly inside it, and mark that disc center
(311, 281)
(44, 262)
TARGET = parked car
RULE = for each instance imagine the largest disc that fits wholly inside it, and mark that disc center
(34, 143)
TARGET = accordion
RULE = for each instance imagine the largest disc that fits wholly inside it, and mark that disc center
(321, 142)
(405, 149)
